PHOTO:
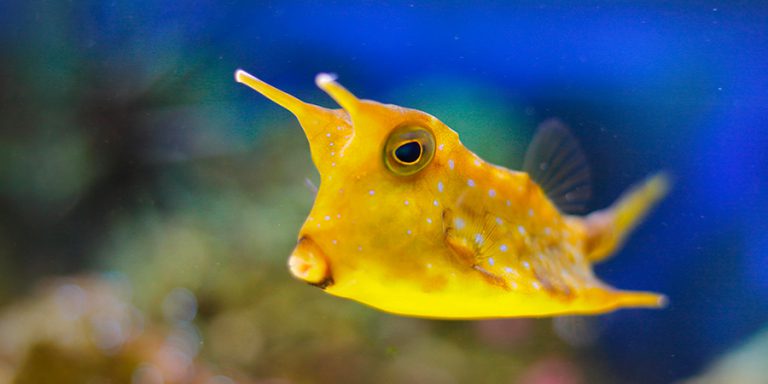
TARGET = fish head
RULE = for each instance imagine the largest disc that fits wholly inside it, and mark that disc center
(377, 213)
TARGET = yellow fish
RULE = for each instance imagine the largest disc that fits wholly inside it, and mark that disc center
(409, 221)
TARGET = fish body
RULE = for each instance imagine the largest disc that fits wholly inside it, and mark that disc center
(408, 220)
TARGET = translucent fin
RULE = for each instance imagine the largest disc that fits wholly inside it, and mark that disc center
(555, 161)
(310, 185)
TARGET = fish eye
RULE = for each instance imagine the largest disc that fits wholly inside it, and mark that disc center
(409, 149)
(408, 153)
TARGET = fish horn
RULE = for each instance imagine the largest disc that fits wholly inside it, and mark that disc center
(313, 119)
(317, 122)
(285, 100)
(327, 82)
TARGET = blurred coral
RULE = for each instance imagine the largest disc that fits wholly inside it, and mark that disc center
(83, 329)
(745, 364)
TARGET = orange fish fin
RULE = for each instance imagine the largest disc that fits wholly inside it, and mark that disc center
(556, 162)
(469, 236)
(607, 228)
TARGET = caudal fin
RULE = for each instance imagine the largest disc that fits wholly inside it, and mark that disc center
(607, 228)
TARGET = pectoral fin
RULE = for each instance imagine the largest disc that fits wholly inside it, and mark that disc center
(468, 239)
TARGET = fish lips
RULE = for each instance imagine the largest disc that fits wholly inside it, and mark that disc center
(309, 263)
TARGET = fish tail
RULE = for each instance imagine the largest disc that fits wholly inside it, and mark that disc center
(607, 228)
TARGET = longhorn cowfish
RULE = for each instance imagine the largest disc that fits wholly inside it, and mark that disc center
(408, 220)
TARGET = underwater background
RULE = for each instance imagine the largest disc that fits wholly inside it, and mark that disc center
(148, 203)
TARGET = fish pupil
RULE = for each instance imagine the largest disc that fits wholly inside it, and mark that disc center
(408, 153)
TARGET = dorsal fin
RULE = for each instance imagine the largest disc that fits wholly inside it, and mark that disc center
(556, 162)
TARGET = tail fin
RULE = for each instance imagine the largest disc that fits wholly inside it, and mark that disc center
(607, 228)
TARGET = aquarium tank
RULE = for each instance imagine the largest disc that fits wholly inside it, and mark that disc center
(149, 203)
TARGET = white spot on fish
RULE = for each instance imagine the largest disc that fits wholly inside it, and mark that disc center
(503, 248)
(477, 162)
(526, 265)
(499, 221)
(406, 202)
(409, 232)
(435, 203)
(530, 212)
(429, 220)
(491, 262)
(470, 182)
(547, 230)
(328, 134)
(450, 163)
(331, 143)
(509, 203)
(333, 164)
(536, 285)
(439, 186)
(333, 153)
(491, 193)
(440, 147)
(429, 265)
(513, 284)
(359, 248)
(338, 215)
(327, 218)
(371, 192)
(507, 269)
(479, 239)
(521, 230)
(459, 223)
(334, 241)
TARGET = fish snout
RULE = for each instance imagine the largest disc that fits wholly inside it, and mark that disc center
(309, 263)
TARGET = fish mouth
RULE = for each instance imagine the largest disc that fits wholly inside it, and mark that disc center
(309, 263)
